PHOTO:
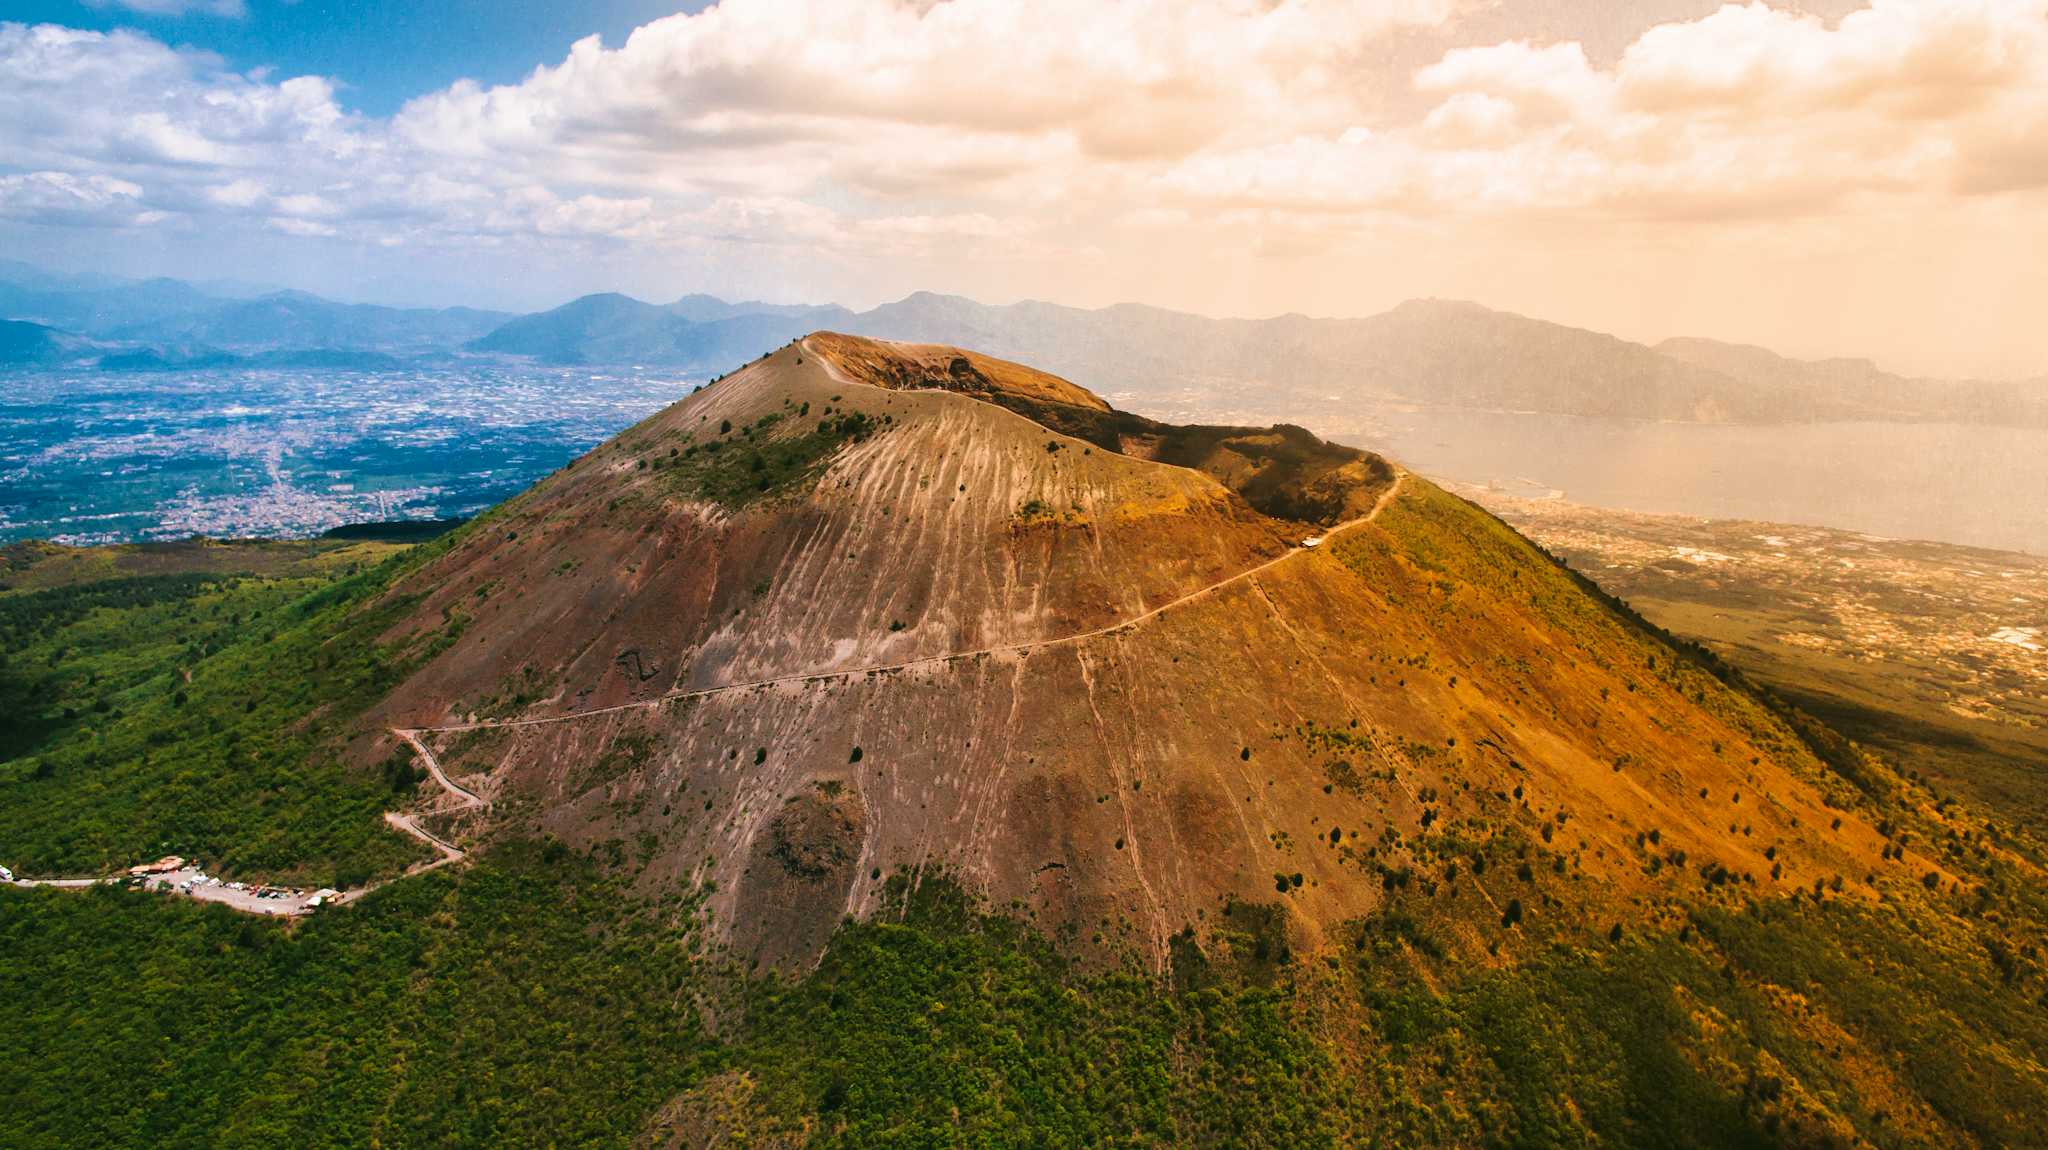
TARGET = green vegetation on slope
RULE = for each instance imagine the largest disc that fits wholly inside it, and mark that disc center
(736, 467)
(72, 650)
(195, 712)
(529, 1000)
(36, 565)
(513, 1006)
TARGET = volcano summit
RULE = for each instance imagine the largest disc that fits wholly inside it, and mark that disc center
(862, 613)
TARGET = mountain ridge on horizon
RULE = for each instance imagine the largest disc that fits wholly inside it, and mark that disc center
(698, 305)
(1423, 351)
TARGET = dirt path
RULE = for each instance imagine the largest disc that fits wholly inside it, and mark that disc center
(469, 799)
(400, 821)
(465, 797)
(192, 883)
(409, 824)
(831, 369)
(411, 734)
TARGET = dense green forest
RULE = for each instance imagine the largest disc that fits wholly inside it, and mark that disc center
(531, 998)
(528, 1001)
(168, 711)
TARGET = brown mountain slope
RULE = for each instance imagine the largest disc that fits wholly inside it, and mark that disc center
(917, 366)
(880, 632)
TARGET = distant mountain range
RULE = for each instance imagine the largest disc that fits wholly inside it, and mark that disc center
(1428, 352)
(173, 323)
(696, 332)
(298, 320)
(22, 342)
(1858, 389)
(1432, 353)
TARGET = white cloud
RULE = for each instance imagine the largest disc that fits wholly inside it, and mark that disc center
(1138, 78)
(1040, 113)
(64, 198)
(1551, 81)
(231, 9)
(974, 138)
(1749, 112)
(243, 193)
(293, 226)
(304, 204)
(1472, 120)
(749, 102)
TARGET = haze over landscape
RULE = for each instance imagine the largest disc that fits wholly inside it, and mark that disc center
(1253, 573)
(1831, 180)
(1468, 393)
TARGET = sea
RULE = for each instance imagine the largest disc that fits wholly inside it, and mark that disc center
(1946, 482)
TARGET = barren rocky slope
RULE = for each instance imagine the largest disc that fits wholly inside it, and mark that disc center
(935, 582)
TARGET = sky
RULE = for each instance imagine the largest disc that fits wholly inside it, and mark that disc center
(1836, 178)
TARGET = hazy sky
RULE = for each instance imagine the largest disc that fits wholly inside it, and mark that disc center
(1831, 179)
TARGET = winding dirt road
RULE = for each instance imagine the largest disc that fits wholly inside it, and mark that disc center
(447, 852)
(294, 903)
(465, 797)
